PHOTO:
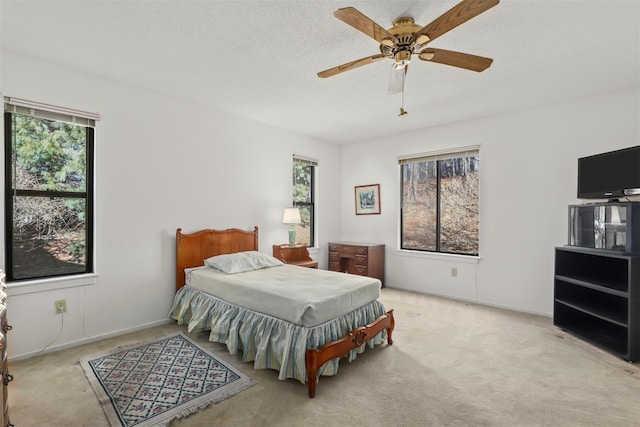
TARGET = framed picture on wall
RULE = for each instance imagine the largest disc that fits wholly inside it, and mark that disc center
(367, 199)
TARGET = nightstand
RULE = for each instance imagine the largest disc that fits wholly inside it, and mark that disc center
(294, 255)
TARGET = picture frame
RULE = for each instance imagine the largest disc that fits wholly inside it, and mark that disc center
(367, 198)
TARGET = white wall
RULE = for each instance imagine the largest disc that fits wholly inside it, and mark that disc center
(161, 163)
(528, 162)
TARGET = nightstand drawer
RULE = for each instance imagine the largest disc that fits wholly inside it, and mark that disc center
(308, 264)
(294, 254)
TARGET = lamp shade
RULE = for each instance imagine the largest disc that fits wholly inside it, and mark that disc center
(291, 216)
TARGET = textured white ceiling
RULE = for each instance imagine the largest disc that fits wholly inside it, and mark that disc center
(259, 59)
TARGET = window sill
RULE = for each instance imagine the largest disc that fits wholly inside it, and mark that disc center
(464, 259)
(50, 284)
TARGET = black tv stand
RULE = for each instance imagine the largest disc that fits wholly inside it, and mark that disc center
(597, 298)
(597, 277)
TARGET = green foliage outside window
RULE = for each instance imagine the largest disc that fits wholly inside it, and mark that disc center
(303, 199)
(51, 153)
(47, 201)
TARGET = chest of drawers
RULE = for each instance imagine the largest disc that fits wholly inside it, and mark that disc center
(364, 259)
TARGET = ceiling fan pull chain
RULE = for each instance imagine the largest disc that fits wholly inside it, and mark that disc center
(402, 110)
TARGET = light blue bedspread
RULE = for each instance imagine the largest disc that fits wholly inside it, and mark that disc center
(269, 341)
(303, 296)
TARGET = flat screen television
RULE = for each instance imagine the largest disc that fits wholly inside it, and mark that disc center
(610, 175)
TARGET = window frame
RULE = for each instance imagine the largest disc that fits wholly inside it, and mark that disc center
(311, 205)
(436, 156)
(58, 114)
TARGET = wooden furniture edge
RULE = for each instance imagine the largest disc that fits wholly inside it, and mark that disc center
(315, 358)
(193, 248)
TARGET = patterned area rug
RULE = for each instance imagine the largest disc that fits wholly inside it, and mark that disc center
(150, 384)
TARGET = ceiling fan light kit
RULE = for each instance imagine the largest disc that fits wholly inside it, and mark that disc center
(401, 46)
(402, 58)
(406, 38)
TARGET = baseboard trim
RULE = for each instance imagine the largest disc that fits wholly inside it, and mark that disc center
(473, 301)
(89, 340)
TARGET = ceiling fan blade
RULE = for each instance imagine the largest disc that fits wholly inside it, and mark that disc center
(360, 22)
(350, 66)
(456, 59)
(459, 14)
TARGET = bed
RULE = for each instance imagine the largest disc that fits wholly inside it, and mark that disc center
(300, 339)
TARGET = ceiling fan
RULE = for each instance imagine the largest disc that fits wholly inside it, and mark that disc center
(406, 38)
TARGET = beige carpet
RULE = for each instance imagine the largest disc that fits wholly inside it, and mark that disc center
(452, 364)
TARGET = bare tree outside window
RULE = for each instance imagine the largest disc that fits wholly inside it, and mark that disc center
(440, 204)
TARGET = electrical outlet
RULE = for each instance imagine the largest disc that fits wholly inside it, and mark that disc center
(61, 306)
(454, 272)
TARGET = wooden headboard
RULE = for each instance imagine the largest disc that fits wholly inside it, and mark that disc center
(192, 249)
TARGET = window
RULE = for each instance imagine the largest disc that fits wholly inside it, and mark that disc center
(440, 200)
(303, 197)
(48, 191)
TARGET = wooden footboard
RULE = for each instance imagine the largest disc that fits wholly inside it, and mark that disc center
(315, 358)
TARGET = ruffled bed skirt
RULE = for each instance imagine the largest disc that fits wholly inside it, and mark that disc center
(268, 342)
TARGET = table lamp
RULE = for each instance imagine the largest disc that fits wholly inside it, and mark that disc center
(292, 217)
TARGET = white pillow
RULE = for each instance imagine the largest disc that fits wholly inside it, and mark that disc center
(240, 262)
